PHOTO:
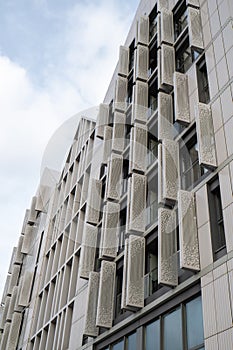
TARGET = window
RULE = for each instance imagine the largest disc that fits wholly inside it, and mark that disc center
(180, 19)
(125, 174)
(184, 57)
(152, 149)
(153, 98)
(130, 90)
(122, 229)
(111, 113)
(132, 342)
(216, 220)
(131, 56)
(152, 58)
(202, 80)
(152, 200)
(152, 336)
(119, 345)
(151, 277)
(119, 282)
(181, 329)
(128, 127)
(191, 170)
(153, 23)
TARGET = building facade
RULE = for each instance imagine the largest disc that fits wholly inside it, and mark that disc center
(132, 247)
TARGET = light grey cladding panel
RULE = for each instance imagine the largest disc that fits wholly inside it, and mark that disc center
(106, 294)
(28, 239)
(33, 212)
(18, 255)
(14, 278)
(162, 4)
(118, 141)
(113, 190)
(25, 289)
(135, 274)
(143, 30)
(165, 116)
(12, 303)
(167, 257)
(109, 230)
(195, 28)
(88, 250)
(140, 103)
(170, 169)
(90, 321)
(128, 204)
(139, 148)
(137, 204)
(125, 272)
(194, 3)
(123, 67)
(142, 62)
(102, 119)
(181, 98)
(160, 174)
(107, 147)
(14, 331)
(205, 134)
(121, 93)
(5, 312)
(167, 31)
(189, 249)
(167, 65)
(93, 203)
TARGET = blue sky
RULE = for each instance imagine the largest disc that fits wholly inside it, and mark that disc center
(56, 59)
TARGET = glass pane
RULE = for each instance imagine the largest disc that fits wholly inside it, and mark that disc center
(119, 346)
(194, 323)
(173, 331)
(152, 336)
(132, 342)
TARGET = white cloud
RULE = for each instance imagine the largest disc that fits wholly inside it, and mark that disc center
(75, 78)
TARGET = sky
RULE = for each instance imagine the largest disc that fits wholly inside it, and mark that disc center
(56, 59)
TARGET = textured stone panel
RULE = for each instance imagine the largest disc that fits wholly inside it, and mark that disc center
(33, 212)
(25, 291)
(12, 303)
(88, 250)
(189, 249)
(18, 255)
(139, 148)
(110, 230)
(205, 134)
(123, 66)
(113, 190)
(181, 98)
(28, 240)
(137, 203)
(194, 3)
(167, 31)
(167, 257)
(140, 103)
(14, 278)
(195, 28)
(93, 203)
(142, 62)
(14, 331)
(118, 141)
(162, 4)
(143, 30)
(170, 169)
(102, 120)
(121, 93)
(160, 174)
(105, 304)
(107, 147)
(167, 65)
(92, 299)
(135, 274)
(165, 116)
(4, 312)
(125, 274)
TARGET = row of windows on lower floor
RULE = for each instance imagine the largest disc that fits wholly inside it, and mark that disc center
(179, 329)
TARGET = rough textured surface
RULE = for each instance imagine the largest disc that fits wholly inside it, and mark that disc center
(143, 30)
(102, 119)
(25, 289)
(121, 93)
(137, 204)
(181, 97)
(140, 103)
(106, 294)
(189, 249)
(118, 141)
(87, 256)
(113, 190)
(110, 230)
(123, 66)
(167, 31)
(170, 169)
(195, 29)
(142, 60)
(93, 289)
(167, 257)
(139, 148)
(205, 134)
(165, 116)
(14, 331)
(167, 65)
(93, 203)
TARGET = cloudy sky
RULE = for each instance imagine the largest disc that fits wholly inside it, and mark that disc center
(56, 59)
